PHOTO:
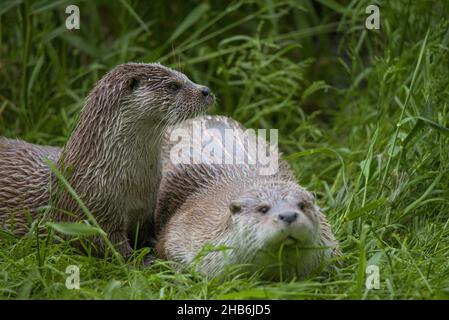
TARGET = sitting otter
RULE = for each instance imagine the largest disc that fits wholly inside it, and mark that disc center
(112, 158)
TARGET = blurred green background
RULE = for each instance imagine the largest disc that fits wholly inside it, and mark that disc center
(362, 118)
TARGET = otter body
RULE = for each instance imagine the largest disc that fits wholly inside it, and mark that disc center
(112, 158)
(266, 221)
(24, 182)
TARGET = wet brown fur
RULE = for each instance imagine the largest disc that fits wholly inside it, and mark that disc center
(193, 204)
(112, 158)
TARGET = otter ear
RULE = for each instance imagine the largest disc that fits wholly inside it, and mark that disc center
(235, 207)
(133, 83)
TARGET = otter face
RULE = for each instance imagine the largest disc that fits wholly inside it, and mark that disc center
(278, 214)
(158, 93)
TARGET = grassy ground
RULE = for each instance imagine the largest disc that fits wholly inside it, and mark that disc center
(362, 117)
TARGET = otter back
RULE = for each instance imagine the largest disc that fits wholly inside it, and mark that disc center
(181, 180)
(24, 181)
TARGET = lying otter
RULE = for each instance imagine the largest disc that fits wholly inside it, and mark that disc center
(267, 221)
(112, 158)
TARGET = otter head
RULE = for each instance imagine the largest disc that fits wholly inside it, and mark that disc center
(266, 225)
(275, 225)
(151, 92)
(277, 213)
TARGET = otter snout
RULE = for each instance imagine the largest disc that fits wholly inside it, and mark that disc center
(293, 224)
(207, 95)
(288, 217)
(206, 91)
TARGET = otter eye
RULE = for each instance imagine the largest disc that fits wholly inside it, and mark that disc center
(133, 83)
(263, 209)
(301, 205)
(174, 86)
(235, 208)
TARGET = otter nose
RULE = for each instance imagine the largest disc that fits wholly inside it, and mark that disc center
(288, 217)
(205, 91)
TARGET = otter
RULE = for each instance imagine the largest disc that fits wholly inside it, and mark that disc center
(24, 182)
(267, 222)
(111, 159)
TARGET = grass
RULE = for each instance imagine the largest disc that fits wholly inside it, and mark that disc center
(362, 118)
